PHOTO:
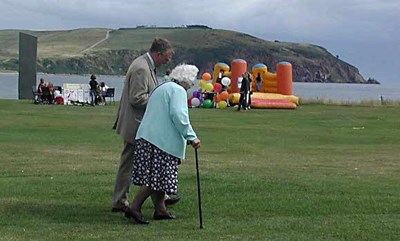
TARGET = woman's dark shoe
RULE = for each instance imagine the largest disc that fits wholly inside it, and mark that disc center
(172, 200)
(137, 217)
(162, 216)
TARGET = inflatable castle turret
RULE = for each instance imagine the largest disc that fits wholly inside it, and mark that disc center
(274, 91)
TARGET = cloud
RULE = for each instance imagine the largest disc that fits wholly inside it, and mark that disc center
(311, 19)
(344, 27)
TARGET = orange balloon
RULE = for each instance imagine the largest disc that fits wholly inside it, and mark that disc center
(218, 99)
(224, 95)
(206, 76)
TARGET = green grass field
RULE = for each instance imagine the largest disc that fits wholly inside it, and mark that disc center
(321, 172)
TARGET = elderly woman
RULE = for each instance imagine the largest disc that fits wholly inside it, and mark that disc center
(161, 143)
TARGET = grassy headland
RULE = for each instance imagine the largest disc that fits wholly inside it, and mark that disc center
(66, 52)
(321, 172)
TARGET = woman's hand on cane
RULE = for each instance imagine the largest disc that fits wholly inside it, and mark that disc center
(196, 143)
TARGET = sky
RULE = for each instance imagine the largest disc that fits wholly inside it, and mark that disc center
(364, 33)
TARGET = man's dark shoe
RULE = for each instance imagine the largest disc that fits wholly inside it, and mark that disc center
(165, 216)
(172, 200)
(119, 209)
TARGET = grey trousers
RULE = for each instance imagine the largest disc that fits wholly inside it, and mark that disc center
(124, 175)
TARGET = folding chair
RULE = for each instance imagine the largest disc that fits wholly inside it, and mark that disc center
(110, 94)
(36, 99)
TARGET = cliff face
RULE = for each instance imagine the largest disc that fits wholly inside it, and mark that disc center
(327, 69)
(202, 47)
(115, 62)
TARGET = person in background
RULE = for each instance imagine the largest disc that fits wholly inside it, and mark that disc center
(220, 76)
(250, 92)
(244, 92)
(140, 80)
(44, 91)
(166, 76)
(93, 89)
(103, 93)
(161, 144)
(40, 86)
(58, 98)
(50, 97)
(258, 82)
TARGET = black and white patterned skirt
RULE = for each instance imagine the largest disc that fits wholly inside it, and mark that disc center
(155, 168)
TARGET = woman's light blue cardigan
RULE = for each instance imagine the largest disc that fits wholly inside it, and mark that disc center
(166, 122)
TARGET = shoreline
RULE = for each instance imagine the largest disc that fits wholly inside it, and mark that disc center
(65, 74)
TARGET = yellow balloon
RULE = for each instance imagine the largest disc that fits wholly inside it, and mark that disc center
(222, 104)
(202, 83)
(234, 98)
(209, 87)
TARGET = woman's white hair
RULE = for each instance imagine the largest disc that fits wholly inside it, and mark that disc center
(184, 73)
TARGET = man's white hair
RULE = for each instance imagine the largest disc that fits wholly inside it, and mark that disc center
(184, 73)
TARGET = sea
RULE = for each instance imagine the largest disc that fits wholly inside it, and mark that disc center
(349, 93)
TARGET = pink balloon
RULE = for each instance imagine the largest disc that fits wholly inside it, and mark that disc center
(195, 102)
(189, 101)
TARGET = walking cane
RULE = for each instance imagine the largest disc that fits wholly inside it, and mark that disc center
(198, 188)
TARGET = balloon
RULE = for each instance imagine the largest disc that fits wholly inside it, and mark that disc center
(218, 99)
(217, 87)
(209, 87)
(222, 104)
(202, 83)
(234, 98)
(196, 94)
(224, 95)
(206, 76)
(195, 102)
(207, 103)
(226, 81)
(190, 93)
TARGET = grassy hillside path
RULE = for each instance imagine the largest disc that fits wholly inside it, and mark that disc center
(98, 42)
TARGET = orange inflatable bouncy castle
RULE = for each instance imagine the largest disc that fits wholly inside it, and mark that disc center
(270, 90)
(268, 79)
(238, 67)
(218, 68)
(284, 78)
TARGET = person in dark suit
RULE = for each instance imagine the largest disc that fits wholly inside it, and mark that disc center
(139, 82)
(244, 92)
(93, 89)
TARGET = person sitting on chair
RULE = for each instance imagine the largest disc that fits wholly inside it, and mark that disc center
(50, 96)
(40, 86)
(44, 92)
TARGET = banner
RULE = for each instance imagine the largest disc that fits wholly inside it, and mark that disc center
(76, 93)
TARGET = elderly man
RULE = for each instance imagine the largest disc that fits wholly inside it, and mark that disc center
(140, 81)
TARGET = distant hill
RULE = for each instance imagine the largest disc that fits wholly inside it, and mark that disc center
(76, 52)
